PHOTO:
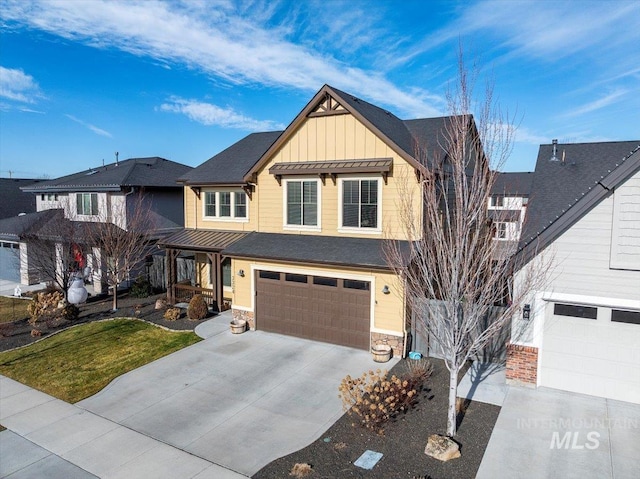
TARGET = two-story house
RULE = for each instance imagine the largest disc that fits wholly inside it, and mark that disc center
(289, 227)
(101, 194)
(582, 328)
(507, 207)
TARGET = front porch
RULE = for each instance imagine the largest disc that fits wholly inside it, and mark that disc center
(208, 277)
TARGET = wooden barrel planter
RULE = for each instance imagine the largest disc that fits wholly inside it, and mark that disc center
(381, 353)
(238, 326)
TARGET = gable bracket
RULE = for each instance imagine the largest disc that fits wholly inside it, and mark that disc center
(279, 179)
(323, 177)
(196, 190)
(248, 189)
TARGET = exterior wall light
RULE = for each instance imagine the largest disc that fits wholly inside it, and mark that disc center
(526, 312)
(241, 273)
(385, 289)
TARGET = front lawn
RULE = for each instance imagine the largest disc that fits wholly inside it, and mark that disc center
(12, 309)
(80, 361)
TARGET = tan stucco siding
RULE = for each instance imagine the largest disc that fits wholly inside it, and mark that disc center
(340, 137)
(388, 309)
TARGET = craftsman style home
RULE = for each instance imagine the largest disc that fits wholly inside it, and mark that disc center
(583, 220)
(287, 227)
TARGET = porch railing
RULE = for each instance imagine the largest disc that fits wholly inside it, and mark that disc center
(184, 292)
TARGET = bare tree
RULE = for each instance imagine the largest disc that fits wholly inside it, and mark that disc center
(454, 273)
(123, 235)
(55, 248)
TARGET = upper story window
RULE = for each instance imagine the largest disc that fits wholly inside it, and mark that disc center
(501, 230)
(49, 197)
(302, 203)
(87, 204)
(360, 204)
(496, 200)
(225, 205)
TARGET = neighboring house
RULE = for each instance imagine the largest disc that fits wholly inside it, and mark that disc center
(13, 202)
(102, 194)
(287, 227)
(583, 221)
(508, 206)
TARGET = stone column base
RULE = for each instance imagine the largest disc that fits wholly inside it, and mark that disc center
(522, 365)
(396, 342)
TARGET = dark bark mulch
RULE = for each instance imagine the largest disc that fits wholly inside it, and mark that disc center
(403, 442)
(18, 333)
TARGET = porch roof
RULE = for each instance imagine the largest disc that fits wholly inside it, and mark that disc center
(331, 250)
(201, 240)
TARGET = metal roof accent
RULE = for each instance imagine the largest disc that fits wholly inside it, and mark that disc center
(332, 167)
(201, 240)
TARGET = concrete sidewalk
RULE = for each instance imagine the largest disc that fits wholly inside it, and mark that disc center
(50, 438)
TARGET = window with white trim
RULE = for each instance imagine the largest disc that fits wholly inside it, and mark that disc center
(501, 230)
(360, 208)
(302, 203)
(87, 204)
(225, 205)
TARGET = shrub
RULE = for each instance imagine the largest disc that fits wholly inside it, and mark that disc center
(418, 371)
(70, 312)
(172, 314)
(141, 288)
(198, 308)
(43, 304)
(301, 469)
(375, 398)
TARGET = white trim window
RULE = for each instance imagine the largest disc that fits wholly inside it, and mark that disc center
(225, 205)
(302, 204)
(360, 207)
(501, 230)
(87, 204)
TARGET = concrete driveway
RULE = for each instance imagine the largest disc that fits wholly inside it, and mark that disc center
(556, 434)
(239, 401)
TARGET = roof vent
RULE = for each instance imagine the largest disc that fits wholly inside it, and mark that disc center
(91, 172)
(554, 157)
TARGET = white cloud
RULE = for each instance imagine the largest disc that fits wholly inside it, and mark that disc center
(526, 135)
(16, 85)
(209, 114)
(549, 31)
(597, 104)
(93, 128)
(216, 38)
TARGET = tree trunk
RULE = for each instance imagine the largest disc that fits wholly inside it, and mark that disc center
(115, 297)
(452, 416)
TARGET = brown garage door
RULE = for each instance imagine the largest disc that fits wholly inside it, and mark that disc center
(314, 307)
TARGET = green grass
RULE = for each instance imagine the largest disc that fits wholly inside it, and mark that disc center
(80, 361)
(12, 309)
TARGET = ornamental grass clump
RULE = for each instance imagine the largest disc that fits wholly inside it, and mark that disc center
(375, 397)
(43, 305)
(198, 308)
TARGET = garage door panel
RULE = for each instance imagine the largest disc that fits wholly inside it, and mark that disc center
(596, 357)
(315, 311)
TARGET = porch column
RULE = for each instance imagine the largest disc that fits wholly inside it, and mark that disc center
(28, 274)
(98, 271)
(216, 266)
(172, 275)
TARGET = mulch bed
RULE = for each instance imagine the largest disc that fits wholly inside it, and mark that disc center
(18, 333)
(403, 442)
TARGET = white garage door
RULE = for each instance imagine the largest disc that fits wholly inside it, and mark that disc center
(592, 350)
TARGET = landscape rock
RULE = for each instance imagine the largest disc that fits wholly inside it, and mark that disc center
(442, 448)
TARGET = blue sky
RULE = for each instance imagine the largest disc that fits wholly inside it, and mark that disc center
(80, 80)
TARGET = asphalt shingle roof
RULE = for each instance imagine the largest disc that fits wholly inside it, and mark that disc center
(147, 172)
(13, 200)
(559, 185)
(230, 166)
(334, 250)
(12, 229)
(513, 184)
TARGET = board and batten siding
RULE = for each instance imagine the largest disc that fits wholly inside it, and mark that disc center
(194, 213)
(625, 245)
(336, 137)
